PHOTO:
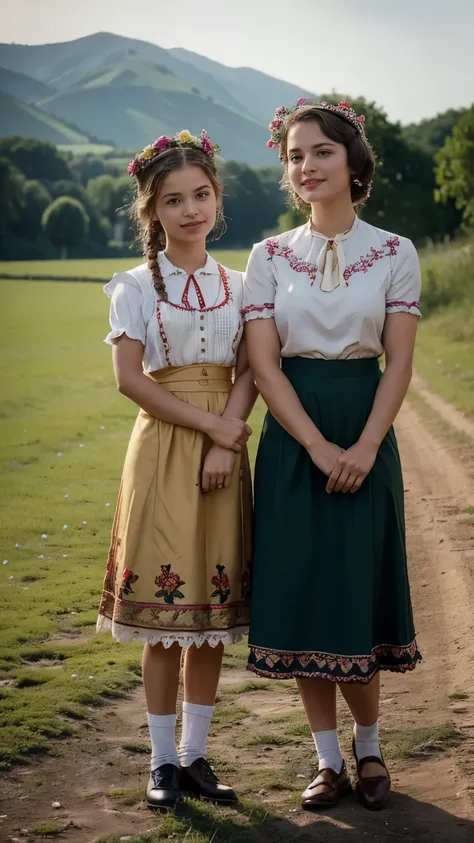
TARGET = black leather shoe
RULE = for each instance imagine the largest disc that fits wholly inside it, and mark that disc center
(326, 789)
(200, 780)
(163, 789)
(373, 791)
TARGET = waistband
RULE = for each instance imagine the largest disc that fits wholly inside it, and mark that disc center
(308, 367)
(194, 378)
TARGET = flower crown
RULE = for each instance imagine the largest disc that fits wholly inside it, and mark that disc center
(181, 140)
(282, 113)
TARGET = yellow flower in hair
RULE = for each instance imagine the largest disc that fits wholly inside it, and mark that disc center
(147, 152)
(184, 136)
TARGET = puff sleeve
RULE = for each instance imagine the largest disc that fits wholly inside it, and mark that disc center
(259, 285)
(403, 295)
(126, 308)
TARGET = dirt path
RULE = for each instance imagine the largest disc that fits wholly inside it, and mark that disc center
(259, 741)
(447, 412)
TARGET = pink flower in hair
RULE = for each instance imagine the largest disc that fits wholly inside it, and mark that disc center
(301, 101)
(132, 167)
(161, 142)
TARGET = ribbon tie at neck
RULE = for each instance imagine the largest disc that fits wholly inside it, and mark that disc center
(332, 260)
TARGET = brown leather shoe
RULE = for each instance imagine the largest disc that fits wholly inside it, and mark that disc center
(373, 791)
(326, 789)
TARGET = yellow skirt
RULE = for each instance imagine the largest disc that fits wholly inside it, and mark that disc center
(178, 565)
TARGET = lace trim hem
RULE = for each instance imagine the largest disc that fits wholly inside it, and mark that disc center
(125, 634)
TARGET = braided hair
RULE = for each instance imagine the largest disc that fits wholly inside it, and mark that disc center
(155, 242)
(150, 181)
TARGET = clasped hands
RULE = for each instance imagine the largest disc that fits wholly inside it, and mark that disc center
(346, 470)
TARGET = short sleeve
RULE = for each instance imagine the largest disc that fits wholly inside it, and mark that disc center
(259, 285)
(403, 295)
(126, 313)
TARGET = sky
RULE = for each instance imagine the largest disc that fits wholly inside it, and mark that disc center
(412, 57)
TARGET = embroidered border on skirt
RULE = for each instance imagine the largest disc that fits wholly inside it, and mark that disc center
(124, 634)
(336, 668)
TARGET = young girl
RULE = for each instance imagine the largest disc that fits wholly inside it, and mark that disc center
(330, 595)
(177, 574)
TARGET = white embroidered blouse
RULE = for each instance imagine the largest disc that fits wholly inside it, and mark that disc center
(329, 298)
(200, 323)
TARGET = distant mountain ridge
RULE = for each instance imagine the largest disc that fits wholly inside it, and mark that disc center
(23, 87)
(26, 120)
(128, 92)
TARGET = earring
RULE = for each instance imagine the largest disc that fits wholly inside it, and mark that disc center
(357, 182)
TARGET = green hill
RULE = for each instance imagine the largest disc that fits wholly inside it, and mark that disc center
(257, 92)
(28, 121)
(23, 87)
(133, 115)
(129, 71)
(58, 64)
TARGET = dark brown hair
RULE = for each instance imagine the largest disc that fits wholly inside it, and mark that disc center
(360, 156)
(149, 184)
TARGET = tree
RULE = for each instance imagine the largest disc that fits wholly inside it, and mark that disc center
(431, 134)
(100, 191)
(455, 167)
(36, 159)
(246, 205)
(109, 194)
(91, 166)
(97, 229)
(37, 199)
(65, 223)
(12, 198)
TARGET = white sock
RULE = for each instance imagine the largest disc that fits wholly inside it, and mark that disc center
(163, 746)
(367, 740)
(196, 722)
(328, 749)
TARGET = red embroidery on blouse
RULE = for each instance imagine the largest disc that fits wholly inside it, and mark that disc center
(273, 248)
(162, 331)
(254, 308)
(403, 304)
(235, 341)
(202, 308)
(185, 296)
(366, 262)
(392, 244)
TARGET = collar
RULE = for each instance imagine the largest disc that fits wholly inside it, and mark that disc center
(168, 269)
(339, 237)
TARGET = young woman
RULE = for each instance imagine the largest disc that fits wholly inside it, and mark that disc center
(330, 595)
(177, 575)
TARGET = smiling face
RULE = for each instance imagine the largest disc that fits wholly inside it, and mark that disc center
(318, 169)
(186, 205)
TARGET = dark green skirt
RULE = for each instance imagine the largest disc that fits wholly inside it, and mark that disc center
(330, 591)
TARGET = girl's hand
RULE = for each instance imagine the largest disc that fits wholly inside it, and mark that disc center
(229, 433)
(325, 456)
(217, 469)
(351, 468)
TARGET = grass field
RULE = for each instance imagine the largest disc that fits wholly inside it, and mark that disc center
(102, 267)
(63, 433)
(444, 354)
(64, 429)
